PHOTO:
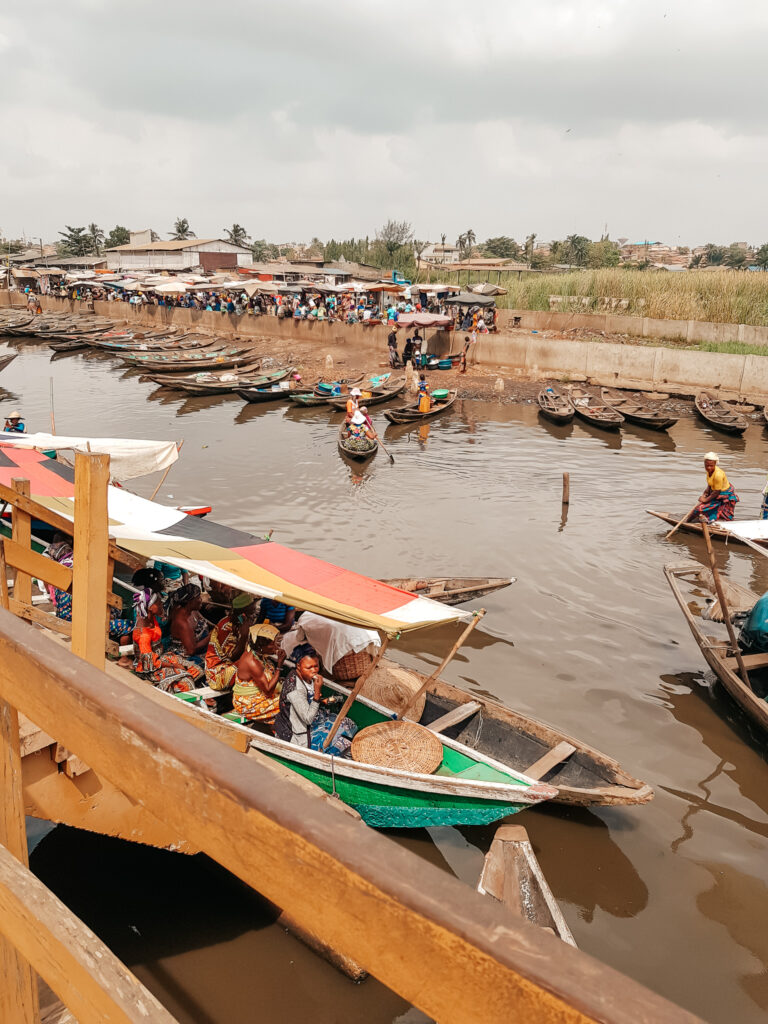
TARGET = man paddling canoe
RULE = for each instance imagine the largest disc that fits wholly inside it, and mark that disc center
(719, 499)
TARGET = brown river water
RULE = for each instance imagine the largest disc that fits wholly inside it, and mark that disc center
(589, 638)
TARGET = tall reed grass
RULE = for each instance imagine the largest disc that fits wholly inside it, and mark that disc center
(720, 296)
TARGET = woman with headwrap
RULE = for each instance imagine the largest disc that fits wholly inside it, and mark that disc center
(166, 670)
(61, 551)
(302, 719)
(718, 502)
(227, 642)
(189, 632)
(254, 686)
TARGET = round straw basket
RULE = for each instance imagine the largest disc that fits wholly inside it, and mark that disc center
(402, 745)
(351, 666)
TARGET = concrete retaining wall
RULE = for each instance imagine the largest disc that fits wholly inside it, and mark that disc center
(679, 371)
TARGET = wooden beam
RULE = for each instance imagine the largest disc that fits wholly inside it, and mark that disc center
(91, 558)
(466, 959)
(34, 564)
(77, 965)
(21, 533)
(47, 619)
(63, 525)
(459, 714)
(548, 761)
(18, 985)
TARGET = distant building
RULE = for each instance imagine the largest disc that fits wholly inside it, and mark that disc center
(437, 252)
(209, 254)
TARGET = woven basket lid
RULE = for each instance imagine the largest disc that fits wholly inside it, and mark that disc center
(392, 686)
(403, 745)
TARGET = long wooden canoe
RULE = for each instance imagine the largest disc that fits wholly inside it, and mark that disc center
(638, 410)
(717, 652)
(183, 362)
(375, 397)
(410, 413)
(316, 396)
(512, 875)
(555, 405)
(716, 532)
(451, 589)
(719, 414)
(589, 408)
(468, 788)
(222, 383)
(271, 393)
(582, 775)
(6, 360)
(358, 454)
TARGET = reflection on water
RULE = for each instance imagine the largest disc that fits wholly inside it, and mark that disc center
(589, 638)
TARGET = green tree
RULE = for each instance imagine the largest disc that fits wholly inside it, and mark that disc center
(117, 236)
(153, 235)
(96, 236)
(466, 243)
(75, 242)
(761, 256)
(735, 257)
(393, 235)
(418, 248)
(502, 247)
(696, 260)
(529, 247)
(714, 254)
(9, 246)
(181, 230)
(237, 235)
(577, 250)
(604, 253)
(316, 250)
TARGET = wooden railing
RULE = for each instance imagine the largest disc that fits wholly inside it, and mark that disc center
(429, 937)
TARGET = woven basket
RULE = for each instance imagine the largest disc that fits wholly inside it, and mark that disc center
(392, 686)
(403, 745)
(351, 666)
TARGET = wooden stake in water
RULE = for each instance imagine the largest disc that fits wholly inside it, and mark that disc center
(566, 488)
(53, 418)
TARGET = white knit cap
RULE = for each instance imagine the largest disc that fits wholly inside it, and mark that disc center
(711, 457)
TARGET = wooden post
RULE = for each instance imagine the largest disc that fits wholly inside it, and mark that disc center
(18, 984)
(91, 563)
(21, 532)
(566, 488)
(723, 604)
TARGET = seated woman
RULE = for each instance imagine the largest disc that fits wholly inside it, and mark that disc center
(166, 670)
(276, 614)
(302, 719)
(61, 551)
(358, 434)
(256, 676)
(188, 630)
(719, 499)
(227, 642)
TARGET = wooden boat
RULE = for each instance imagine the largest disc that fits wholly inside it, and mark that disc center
(272, 393)
(68, 346)
(716, 532)
(590, 409)
(374, 397)
(555, 405)
(719, 414)
(157, 344)
(318, 397)
(6, 360)
(717, 651)
(451, 589)
(410, 413)
(468, 788)
(183, 362)
(224, 382)
(512, 875)
(358, 454)
(636, 409)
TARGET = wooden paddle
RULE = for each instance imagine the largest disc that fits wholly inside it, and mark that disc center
(440, 668)
(723, 604)
(685, 519)
(356, 690)
(386, 450)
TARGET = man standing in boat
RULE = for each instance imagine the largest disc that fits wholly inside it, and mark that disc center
(718, 502)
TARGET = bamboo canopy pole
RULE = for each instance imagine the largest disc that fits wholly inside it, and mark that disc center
(356, 690)
(723, 604)
(179, 446)
(449, 657)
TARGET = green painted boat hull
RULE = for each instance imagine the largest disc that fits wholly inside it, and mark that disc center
(382, 807)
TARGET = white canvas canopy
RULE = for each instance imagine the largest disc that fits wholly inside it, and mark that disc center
(128, 458)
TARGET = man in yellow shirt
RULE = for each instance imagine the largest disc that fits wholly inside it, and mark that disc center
(719, 499)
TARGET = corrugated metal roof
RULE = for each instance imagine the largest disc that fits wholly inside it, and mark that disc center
(173, 245)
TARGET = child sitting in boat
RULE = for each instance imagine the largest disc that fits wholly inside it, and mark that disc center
(302, 718)
(425, 402)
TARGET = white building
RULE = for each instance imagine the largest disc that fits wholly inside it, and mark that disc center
(208, 253)
(436, 252)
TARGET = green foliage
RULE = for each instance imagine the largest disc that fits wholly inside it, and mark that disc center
(356, 250)
(466, 243)
(735, 257)
(394, 235)
(117, 236)
(761, 257)
(576, 250)
(501, 247)
(604, 253)
(181, 230)
(263, 250)
(11, 246)
(75, 242)
(96, 236)
(315, 250)
(714, 254)
(237, 235)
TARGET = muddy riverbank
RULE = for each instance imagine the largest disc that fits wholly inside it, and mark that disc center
(673, 893)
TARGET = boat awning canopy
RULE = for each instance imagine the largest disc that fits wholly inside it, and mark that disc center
(232, 557)
(748, 529)
(424, 320)
(128, 458)
(471, 299)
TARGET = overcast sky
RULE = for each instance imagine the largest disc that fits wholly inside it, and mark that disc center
(302, 118)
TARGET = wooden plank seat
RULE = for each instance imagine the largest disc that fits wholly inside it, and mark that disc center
(459, 714)
(751, 661)
(550, 760)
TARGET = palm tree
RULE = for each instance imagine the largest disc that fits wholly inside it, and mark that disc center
(237, 235)
(578, 249)
(418, 248)
(528, 246)
(96, 236)
(443, 237)
(471, 238)
(181, 230)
